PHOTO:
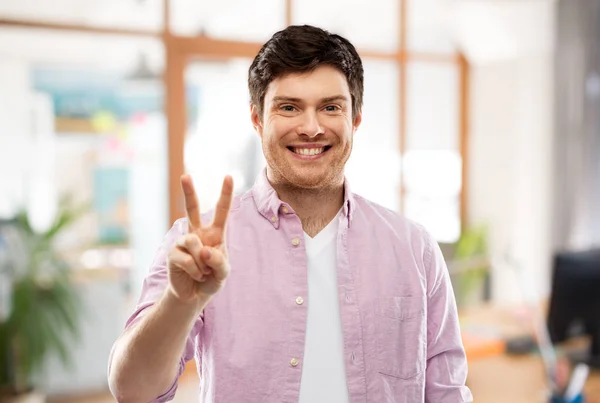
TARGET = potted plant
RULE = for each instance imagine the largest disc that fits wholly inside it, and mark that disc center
(40, 308)
(470, 264)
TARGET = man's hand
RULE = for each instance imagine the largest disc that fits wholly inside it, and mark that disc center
(198, 264)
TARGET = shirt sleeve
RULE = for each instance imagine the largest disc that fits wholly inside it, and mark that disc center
(153, 288)
(446, 360)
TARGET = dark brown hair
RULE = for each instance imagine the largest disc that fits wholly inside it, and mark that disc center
(299, 49)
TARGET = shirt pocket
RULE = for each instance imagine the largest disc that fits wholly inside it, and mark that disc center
(400, 335)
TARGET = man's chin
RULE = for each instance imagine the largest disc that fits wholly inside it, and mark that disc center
(309, 178)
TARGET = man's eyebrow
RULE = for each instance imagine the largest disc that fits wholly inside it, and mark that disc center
(282, 98)
(335, 98)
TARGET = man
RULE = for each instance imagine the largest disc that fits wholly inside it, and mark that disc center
(299, 290)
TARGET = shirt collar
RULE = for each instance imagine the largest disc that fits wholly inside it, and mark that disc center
(270, 206)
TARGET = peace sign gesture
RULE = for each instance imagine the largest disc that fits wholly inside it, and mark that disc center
(198, 264)
(211, 235)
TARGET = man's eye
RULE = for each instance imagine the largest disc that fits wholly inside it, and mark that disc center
(332, 108)
(288, 108)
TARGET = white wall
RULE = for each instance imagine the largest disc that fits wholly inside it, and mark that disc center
(511, 166)
(15, 132)
(511, 153)
(148, 202)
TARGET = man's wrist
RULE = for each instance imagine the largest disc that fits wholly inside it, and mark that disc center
(192, 307)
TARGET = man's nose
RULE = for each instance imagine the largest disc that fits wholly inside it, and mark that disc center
(310, 125)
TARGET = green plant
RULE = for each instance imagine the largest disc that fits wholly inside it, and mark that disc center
(471, 256)
(44, 306)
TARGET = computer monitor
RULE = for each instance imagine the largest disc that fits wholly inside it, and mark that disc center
(575, 299)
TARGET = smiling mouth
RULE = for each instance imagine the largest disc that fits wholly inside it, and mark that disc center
(309, 150)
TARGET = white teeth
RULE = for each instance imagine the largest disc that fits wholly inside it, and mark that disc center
(309, 151)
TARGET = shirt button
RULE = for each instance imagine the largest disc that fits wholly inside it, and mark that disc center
(299, 300)
(273, 219)
(294, 362)
(285, 210)
(295, 242)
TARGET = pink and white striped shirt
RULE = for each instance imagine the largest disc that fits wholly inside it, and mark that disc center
(399, 320)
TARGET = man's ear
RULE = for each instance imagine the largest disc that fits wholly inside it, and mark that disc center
(256, 119)
(357, 120)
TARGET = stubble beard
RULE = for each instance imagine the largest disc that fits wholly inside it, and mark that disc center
(285, 175)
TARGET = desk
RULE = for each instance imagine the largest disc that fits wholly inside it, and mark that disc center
(495, 377)
(509, 379)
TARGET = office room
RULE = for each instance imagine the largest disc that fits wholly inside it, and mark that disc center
(478, 129)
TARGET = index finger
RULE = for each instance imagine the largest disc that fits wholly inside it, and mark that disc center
(192, 207)
(224, 203)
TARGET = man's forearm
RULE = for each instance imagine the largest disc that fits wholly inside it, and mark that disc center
(146, 358)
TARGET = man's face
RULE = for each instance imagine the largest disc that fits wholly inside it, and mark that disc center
(307, 127)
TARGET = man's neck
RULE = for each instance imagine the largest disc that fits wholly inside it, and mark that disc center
(315, 207)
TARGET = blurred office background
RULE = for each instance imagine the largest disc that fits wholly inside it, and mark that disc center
(481, 121)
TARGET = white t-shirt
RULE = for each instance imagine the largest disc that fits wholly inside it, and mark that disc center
(323, 369)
